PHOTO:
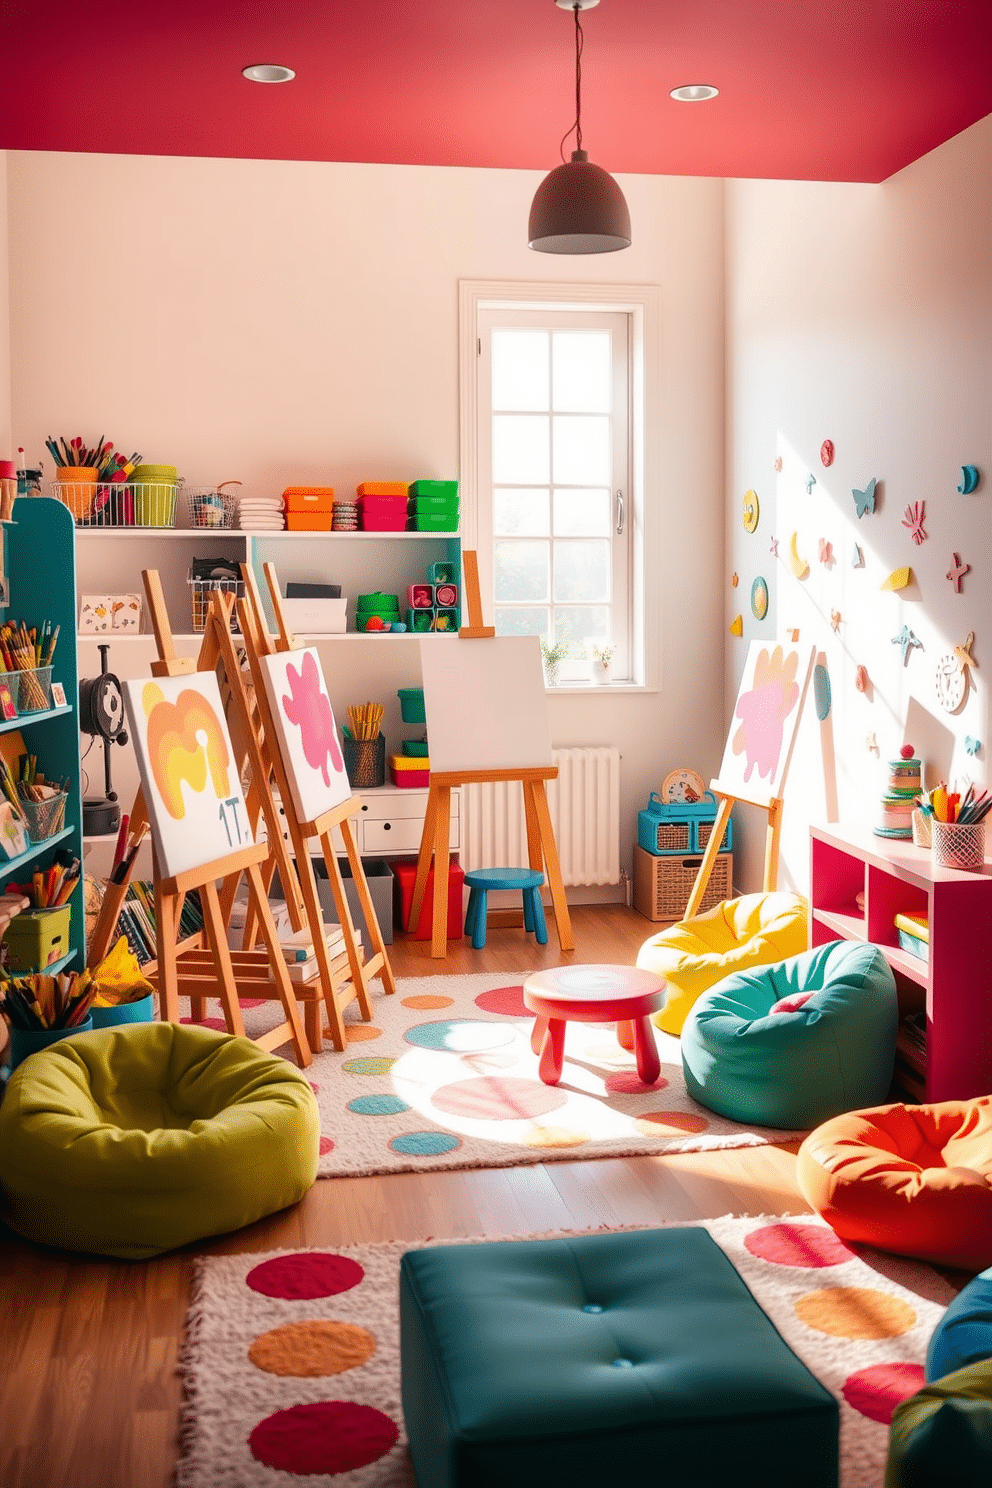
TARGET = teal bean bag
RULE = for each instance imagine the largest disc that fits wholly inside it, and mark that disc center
(792, 1044)
(964, 1334)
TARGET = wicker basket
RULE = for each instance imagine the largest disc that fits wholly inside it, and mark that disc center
(662, 885)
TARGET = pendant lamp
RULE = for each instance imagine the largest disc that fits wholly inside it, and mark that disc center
(578, 208)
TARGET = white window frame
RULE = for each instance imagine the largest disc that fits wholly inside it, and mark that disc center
(641, 304)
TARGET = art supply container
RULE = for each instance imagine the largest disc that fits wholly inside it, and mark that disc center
(33, 690)
(412, 708)
(922, 821)
(25, 1041)
(77, 490)
(44, 818)
(365, 761)
(36, 938)
(140, 1011)
(155, 488)
(958, 844)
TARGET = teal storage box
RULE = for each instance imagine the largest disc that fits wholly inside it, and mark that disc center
(637, 1357)
(35, 939)
(679, 826)
(412, 708)
(142, 1010)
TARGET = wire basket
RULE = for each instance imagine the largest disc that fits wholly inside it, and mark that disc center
(212, 506)
(44, 818)
(118, 503)
(200, 591)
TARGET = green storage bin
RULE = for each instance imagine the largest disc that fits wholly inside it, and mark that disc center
(155, 488)
(416, 748)
(387, 606)
(432, 504)
(412, 708)
(35, 938)
(447, 489)
(433, 522)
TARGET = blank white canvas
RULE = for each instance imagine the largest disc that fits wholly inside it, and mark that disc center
(766, 716)
(188, 770)
(306, 733)
(485, 703)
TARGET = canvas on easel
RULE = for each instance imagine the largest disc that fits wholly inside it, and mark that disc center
(306, 731)
(758, 751)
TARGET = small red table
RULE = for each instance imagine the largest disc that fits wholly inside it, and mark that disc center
(625, 995)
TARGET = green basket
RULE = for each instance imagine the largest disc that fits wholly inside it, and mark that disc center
(416, 748)
(412, 709)
(447, 489)
(446, 521)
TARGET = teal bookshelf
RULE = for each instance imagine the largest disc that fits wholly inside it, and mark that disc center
(40, 564)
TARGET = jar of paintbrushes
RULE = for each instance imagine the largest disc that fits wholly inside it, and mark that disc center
(364, 746)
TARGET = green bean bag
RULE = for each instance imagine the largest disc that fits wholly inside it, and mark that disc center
(941, 1437)
(793, 1044)
(132, 1140)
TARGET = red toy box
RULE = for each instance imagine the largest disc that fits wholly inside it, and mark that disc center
(404, 875)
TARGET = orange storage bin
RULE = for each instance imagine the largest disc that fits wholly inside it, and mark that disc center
(383, 488)
(309, 521)
(308, 498)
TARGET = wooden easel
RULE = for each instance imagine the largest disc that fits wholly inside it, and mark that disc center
(340, 987)
(435, 843)
(772, 836)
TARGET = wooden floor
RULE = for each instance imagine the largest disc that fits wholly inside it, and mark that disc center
(89, 1395)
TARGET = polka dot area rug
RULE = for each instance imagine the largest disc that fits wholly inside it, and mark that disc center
(291, 1366)
(444, 1077)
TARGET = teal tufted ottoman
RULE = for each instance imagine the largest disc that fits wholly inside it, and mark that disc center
(636, 1357)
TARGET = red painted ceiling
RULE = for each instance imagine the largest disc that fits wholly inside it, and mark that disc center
(847, 90)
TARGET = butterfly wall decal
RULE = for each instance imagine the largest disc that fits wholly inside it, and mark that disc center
(972, 745)
(864, 501)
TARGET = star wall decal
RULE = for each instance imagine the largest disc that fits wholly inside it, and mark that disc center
(835, 619)
(907, 640)
(957, 571)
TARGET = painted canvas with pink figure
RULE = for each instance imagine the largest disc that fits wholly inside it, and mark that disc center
(766, 717)
(307, 734)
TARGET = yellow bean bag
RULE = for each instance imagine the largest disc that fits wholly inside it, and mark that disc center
(132, 1140)
(735, 935)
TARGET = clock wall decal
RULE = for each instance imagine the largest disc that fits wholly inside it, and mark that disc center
(952, 675)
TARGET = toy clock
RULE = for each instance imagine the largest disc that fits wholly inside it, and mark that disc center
(952, 675)
(683, 786)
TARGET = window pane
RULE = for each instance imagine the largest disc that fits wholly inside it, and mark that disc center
(520, 370)
(521, 572)
(581, 451)
(582, 513)
(582, 372)
(582, 571)
(520, 450)
(582, 626)
(521, 512)
(534, 621)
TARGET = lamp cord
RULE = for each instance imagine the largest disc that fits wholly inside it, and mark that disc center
(576, 128)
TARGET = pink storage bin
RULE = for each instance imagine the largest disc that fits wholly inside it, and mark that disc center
(382, 513)
(420, 596)
(411, 779)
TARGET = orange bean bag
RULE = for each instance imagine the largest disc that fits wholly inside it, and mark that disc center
(916, 1180)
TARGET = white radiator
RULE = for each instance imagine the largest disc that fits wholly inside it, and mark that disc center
(584, 803)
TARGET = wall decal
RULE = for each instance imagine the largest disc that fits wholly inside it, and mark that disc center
(737, 625)
(792, 633)
(827, 452)
(821, 692)
(778, 462)
(953, 671)
(861, 678)
(773, 547)
(810, 483)
(864, 501)
(957, 572)
(759, 598)
(913, 518)
(898, 579)
(871, 743)
(835, 618)
(972, 746)
(969, 479)
(907, 640)
(734, 580)
(857, 558)
(826, 552)
(798, 565)
(751, 511)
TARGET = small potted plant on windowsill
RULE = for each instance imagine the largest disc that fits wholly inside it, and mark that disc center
(553, 656)
(602, 663)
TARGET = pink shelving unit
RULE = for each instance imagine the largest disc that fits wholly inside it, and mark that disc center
(896, 877)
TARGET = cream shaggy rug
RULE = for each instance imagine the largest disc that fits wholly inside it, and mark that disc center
(444, 1077)
(291, 1364)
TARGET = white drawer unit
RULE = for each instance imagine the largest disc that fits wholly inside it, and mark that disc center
(390, 822)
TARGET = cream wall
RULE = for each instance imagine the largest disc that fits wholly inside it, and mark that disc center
(8, 449)
(288, 322)
(863, 314)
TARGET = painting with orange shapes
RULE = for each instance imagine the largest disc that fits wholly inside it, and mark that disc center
(766, 717)
(186, 763)
(306, 733)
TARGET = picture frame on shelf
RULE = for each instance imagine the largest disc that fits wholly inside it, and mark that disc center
(58, 696)
(13, 832)
(8, 707)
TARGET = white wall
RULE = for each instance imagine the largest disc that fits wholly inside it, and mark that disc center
(285, 322)
(863, 314)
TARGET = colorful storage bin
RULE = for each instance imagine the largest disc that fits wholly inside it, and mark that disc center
(446, 490)
(36, 938)
(412, 708)
(382, 513)
(308, 498)
(382, 488)
(679, 826)
(378, 606)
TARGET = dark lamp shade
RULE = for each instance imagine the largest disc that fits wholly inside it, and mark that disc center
(578, 208)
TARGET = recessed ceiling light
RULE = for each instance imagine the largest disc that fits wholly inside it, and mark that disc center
(694, 93)
(268, 72)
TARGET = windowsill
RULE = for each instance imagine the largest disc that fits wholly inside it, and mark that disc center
(598, 689)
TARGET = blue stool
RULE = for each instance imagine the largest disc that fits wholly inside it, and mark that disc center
(483, 879)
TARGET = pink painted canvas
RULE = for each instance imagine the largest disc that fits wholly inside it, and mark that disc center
(766, 717)
(307, 735)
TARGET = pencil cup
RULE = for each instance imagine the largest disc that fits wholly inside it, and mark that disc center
(44, 818)
(142, 1010)
(34, 690)
(365, 762)
(25, 1041)
(958, 844)
(77, 490)
(921, 828)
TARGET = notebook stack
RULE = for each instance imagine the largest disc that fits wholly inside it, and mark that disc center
(261, 513)
(914, 934)
(300, 954)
